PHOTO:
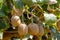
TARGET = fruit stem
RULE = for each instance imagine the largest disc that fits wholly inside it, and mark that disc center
(34, 8)
(32, 19)
(32, 14)
(22, 18)
(20, 38)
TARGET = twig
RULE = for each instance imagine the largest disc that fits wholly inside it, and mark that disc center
(32, 14)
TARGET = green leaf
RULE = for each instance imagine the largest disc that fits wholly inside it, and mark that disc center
(18, 4)
(44, 1)
(1, 3)
(3, 24)
(2, 14)
(27, 2)
(6, 9)
(58, 1)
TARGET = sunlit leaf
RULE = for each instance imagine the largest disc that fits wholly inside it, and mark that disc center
(1, 3)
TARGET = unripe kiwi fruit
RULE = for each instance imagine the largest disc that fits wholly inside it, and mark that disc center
(58, 24)
(50, 18)
(33, 29)
(15, 20)
(22, 30)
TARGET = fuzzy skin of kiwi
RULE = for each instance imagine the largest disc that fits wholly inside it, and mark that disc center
(15, 20)
(41, 31)
(33, 29)
(22, 29)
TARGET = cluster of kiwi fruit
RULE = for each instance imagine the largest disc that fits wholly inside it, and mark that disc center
(23, 29)
(32, 28)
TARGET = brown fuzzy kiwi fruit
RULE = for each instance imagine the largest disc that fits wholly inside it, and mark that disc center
(41, 31)
(33, 29)
(22, 30)
(15, 20)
